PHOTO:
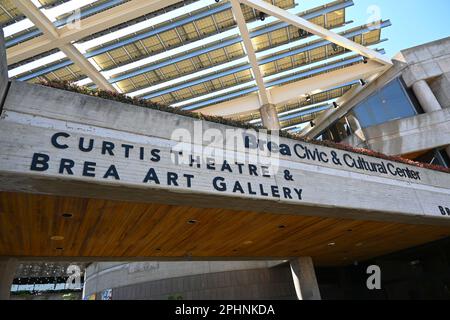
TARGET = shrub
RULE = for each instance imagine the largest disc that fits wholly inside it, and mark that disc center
(64, 85)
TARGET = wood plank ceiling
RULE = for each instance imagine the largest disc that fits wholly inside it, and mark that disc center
(97, 229)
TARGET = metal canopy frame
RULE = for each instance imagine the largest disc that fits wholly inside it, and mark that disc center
(261, 88)
(128, 11)
(377, 63)
(49, 30)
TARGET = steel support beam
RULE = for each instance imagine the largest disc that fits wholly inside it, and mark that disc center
(250, 50)
(315, 29)
(53, 34)
(262, 61)
(221, 44)
(285, 93)
(62, 22)
(280, 81)
(91, 25)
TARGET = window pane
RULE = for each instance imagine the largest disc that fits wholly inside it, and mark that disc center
(387, 104)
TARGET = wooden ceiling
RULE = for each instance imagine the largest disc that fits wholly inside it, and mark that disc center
(105, 229)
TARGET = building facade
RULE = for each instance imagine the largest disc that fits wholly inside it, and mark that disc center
(90, 175)
(405, 112)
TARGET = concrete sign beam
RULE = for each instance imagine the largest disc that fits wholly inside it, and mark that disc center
(143, 184)
(90, 144)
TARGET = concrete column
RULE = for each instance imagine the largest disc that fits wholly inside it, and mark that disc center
(3, 69)
(427, 100)
(426, 97)
(305, 280)
(8, 269)
(269, 117)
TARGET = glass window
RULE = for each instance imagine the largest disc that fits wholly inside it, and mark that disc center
(389, 103)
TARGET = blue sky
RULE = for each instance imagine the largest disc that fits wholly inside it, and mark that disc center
(414, 22)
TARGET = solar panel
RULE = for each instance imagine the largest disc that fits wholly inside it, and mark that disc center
(161, 61)
(9, 13)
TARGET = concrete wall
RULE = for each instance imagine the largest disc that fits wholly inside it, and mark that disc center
(48, 296)
(408, 135)
(3, 69)
(430, 62)
(104, 275)
(251, 283)
(427, 61)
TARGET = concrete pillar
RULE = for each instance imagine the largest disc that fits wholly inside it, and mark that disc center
(427, 100)
(3, 69)
(305, 280)
(269, 117)
(8, 269)
(426, 97)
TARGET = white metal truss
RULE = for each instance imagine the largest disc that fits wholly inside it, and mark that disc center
(247, 41)
(63, 38)
(317, 30)
(104, 20)
(52, 34)
(377, 63)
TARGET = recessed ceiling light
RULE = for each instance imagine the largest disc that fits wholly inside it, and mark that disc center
(332, 244)
(57, 238)
(415, 262)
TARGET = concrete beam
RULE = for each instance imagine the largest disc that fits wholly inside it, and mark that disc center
(128, 11)
(294, 90)
(409, 135)
(304, 277)
(306, 25)
(38, 18)
(49, 30)
(36, 113)
(8, 267)
(86, 67)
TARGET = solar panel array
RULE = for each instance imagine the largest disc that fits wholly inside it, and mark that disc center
(193, 57)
